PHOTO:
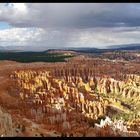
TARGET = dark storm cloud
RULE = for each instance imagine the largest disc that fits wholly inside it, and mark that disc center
(70, 24)
(112, 16)
(73, 15)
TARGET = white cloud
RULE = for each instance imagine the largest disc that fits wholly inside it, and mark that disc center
(41, 39)
(54, 25)
(104, 37)
(19, 36)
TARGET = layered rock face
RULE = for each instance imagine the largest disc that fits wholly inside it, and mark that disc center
(6, 125)
(61, 97)
(128, 88)
(58, 97)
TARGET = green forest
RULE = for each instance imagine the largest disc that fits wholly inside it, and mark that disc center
(34, 56)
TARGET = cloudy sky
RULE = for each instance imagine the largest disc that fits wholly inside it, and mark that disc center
(41, 26)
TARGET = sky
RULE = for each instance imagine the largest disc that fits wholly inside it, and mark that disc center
(41, 26)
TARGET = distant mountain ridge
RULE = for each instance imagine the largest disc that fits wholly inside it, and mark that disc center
(126, 47)
(80, 49)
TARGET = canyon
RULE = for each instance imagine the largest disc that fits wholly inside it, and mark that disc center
(83, 96)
